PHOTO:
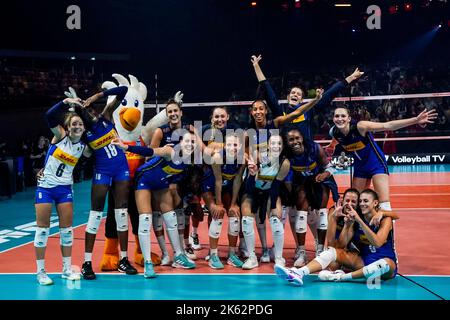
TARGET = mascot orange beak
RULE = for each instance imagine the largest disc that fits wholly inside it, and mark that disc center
(129, 118)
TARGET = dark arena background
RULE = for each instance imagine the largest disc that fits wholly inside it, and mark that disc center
(204, 48)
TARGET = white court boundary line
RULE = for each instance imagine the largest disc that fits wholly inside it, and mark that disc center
(205, 274)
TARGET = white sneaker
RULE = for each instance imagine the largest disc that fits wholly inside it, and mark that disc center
(165, 260)
(190, 253)
(194, 241)
(301, 260)
(289, 275)
(280, 261)
(265, 258)
(43, 278)
(69, 274)
(250, 263)
(327, 275)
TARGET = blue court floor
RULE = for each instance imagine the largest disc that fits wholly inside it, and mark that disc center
(219, 287)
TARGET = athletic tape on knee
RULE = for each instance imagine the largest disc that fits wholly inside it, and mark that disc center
(41, 237)
(233, 226)
(121, 219)
(66, 236)
(157, 221)
(326, 257)
(323, 219)
(215, 228)
(301, 221)
(180, 218)
(376, 269)
(95, 217)
(170, 220)
(247, 225)
(386, 206)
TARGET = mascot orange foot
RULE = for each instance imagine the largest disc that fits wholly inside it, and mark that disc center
(110, 259)
(139, 258)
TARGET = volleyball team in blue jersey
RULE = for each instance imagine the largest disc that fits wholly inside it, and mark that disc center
(273, 169)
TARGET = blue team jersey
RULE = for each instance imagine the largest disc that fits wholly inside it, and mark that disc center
(229, 172)
(306, 164)
(368, 156)
(107, 157)
(167, 132)
(260, 137)
(369, 253)
(158, 173)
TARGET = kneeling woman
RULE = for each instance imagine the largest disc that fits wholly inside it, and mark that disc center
(263, 186)
(154, 178)
(377, 257)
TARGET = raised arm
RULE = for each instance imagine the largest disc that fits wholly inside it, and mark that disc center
(107, 112)
(54, 114)
(299, 111)
(270, 96)
(422, 120)
(334, 90)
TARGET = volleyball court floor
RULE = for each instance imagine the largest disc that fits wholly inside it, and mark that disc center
(420, 194)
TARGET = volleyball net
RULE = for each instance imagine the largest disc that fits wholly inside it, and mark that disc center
(410, 145)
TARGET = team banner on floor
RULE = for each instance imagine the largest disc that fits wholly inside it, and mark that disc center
(423, 158)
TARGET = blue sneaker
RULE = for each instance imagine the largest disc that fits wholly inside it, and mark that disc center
(233, 260)
(181, 261)
(149, 272)
(214, 262)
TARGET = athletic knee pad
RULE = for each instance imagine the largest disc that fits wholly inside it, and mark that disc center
(233, 226)
(276, 225)
(180, 218)
(376, 269)
(170, 220)
(121, 219)
(323, 219)
(326, 257)
(386, 206)
(157, 220)
(145, 224)
(247, 225)
(41, 237)
(215, 228)
(66, 236)
(301, 221)
(95, 217)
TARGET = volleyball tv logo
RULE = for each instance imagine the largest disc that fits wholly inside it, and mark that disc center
(435, 158)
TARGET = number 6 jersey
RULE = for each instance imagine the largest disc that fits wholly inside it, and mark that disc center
(59, 163)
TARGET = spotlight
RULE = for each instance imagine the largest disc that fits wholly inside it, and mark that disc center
(93, 58)
(353, 30)
(72, 58)
(253, 4)
(440, 26)
(408, 7)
